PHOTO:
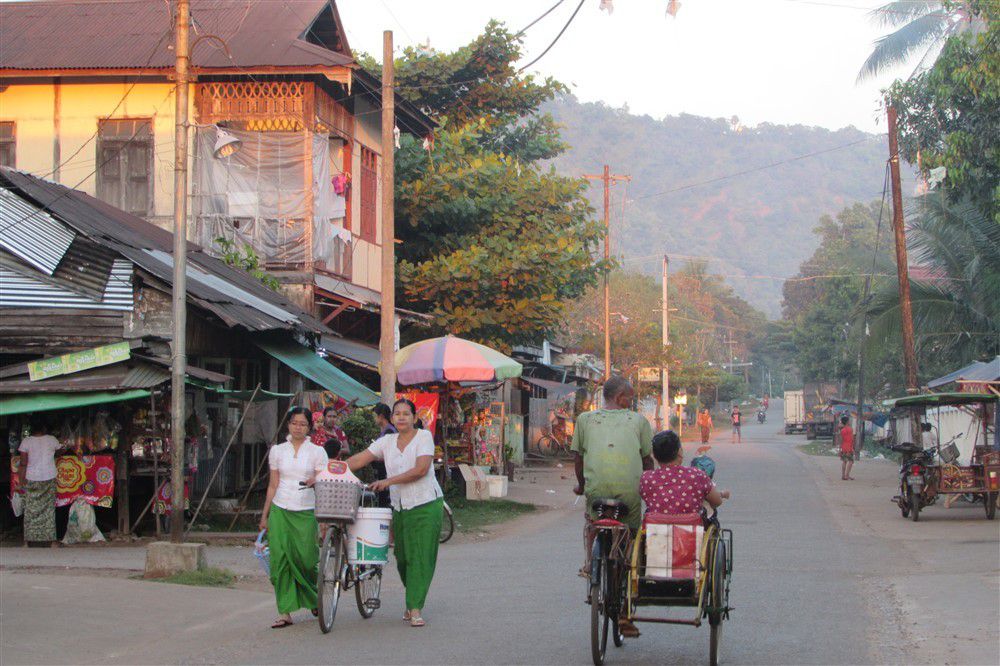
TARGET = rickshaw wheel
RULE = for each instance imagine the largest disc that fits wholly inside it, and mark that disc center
(599, 619)
(717, 598)
(991, 505)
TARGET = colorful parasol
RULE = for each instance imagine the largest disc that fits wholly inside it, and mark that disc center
(451, 359)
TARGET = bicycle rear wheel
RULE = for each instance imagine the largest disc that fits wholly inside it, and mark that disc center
(599, 619)
(330, 577)
(447, 524)
(547, 446)
(718, 599)
(367, 588)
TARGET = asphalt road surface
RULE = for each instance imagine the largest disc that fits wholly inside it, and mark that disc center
(808, 588)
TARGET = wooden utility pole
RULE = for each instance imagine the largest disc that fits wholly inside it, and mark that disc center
(902, 270)
(859, 437)
(387, 339)
(182, 65)
(665, 333)
(607, 177)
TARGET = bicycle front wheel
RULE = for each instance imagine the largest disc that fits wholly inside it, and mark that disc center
(329, 581)
(367, 588)
(599, 619)
(547, 446)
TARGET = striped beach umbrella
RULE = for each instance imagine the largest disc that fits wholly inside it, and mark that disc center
(451, 359)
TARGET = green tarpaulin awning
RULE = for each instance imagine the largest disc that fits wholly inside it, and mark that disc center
(939, 399)
(46, 402)
(308, 364)
(262, 395)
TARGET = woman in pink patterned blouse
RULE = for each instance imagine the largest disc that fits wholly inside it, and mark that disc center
(673, 488)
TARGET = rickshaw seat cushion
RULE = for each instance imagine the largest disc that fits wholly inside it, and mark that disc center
(672, 548)
(673, 519)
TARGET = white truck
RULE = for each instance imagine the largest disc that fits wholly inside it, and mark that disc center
(795, 412)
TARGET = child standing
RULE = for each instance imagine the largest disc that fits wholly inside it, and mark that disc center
(846, 449)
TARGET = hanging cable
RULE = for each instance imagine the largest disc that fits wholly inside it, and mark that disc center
(549, 47)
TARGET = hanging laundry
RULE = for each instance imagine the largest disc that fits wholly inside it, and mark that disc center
(341, 184)
(395, 136)
(608, 6)
(937, 176)
(428, 143)
(338, 207)
(673, 7)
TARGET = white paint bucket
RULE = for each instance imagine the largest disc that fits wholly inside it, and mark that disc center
(368, 536)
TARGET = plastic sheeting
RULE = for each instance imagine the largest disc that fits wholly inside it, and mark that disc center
(258, 195)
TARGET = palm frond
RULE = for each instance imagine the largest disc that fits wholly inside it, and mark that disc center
(897, 13)
(899, 46)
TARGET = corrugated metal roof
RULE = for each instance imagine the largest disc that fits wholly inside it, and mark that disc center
(132, 238)
(42, 243)
(109, 378)
(86, 267)
(130, 34)
(23, 291)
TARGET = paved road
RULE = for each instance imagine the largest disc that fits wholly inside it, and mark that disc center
(803, 591)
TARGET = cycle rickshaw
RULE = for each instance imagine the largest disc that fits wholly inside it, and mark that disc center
(682, 561)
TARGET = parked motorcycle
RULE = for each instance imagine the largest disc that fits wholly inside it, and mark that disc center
(915, 480)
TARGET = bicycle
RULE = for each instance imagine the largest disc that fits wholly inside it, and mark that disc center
(552, 442)
(608, 573)
(447, 524)
(335, 573)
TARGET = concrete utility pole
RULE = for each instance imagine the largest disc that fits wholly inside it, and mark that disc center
(665, 331)
(902, 268)
(387, 339)
(182, 65)
(607, 177)
(860, 423)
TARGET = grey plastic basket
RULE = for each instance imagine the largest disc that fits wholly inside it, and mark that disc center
(337, 500)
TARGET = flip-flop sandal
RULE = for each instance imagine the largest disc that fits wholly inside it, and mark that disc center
(406, 616)
(281, 624)
(417, 621)
(315, 612)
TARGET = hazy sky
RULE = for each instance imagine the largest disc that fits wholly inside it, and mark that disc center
(779, 61)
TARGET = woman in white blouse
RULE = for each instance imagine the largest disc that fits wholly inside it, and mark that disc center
(289, 519)
(417, 502)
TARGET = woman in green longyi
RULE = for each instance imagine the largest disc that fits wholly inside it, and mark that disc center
(289, 518)
(417, 502)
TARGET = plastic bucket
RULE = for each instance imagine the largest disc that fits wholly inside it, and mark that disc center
(368, 536)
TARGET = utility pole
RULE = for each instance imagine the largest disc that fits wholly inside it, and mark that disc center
(860, 423)
(665, 330)
(182, 63)
(607, 177)
(902, 268)
(387, 339)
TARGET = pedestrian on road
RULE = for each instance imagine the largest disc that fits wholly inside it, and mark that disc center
(289, 518)
(737, 420)
(37, 472)
(846, 448)
(417, 502)
(705, 424)
(673, 488)
(326, 426)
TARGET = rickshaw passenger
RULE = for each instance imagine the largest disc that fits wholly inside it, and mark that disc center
(673, 488)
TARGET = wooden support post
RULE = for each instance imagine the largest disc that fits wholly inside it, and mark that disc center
(387, 337)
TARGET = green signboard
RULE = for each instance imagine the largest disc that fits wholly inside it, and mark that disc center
(77, 361)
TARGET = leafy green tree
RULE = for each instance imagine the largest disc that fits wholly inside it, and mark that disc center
(919, 25)
(950, 116)
(493, 243)
(245, 259)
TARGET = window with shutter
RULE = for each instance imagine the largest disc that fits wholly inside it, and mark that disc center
(369, 191)
(125, 164)
(8, 144)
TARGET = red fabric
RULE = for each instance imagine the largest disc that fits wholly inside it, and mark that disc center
(607, 522)
(89, 477)
(846, 440)
(674, 489)
(684, 555)
(427, 407)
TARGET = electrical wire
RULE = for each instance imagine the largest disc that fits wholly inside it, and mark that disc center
(558, 36)
(547, 12)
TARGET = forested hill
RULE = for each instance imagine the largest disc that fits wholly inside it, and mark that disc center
(754, 224)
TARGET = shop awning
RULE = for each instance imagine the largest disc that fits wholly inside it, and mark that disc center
(554, 389)
(352, 351)
(246, 395)
(308, 364)
(46, 402)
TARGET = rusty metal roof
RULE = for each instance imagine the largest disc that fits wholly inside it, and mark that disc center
(137, 34)
(109, 378)
(234, 296)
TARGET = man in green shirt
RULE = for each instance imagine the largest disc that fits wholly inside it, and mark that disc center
(611, 447)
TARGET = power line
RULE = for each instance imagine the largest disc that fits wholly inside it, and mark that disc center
(553, 43)
(547, 12)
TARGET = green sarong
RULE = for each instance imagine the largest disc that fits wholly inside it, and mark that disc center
(40, 510)
(415, 532)
(291, 536)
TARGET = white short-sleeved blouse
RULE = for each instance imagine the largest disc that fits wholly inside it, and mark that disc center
(407, 495)
(294, 468)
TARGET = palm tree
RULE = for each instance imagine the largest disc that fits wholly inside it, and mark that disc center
(919, 25)
(956, 296)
